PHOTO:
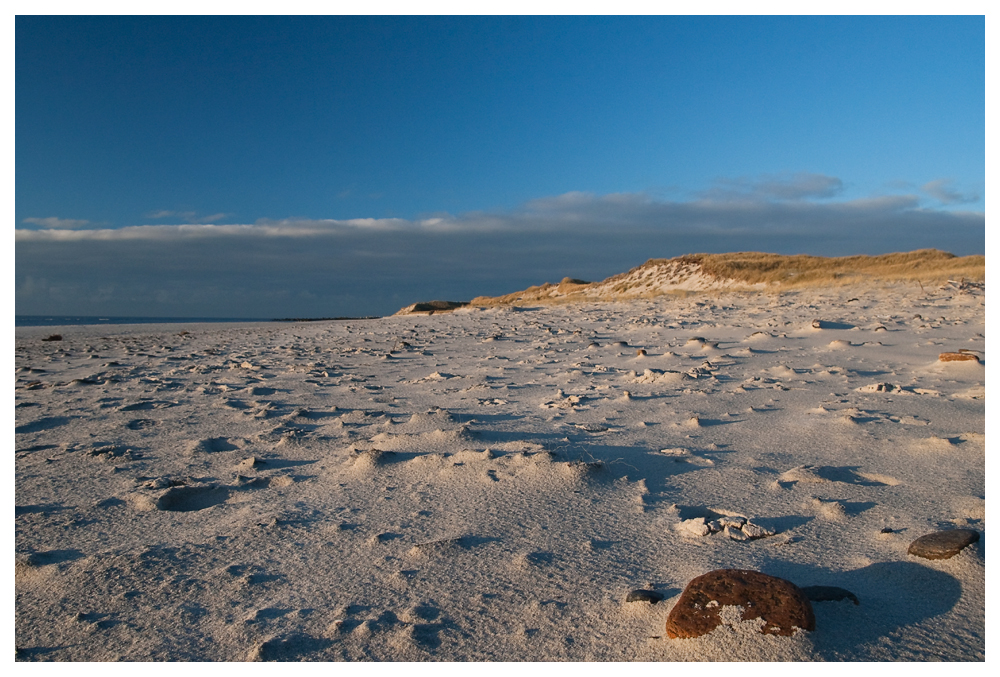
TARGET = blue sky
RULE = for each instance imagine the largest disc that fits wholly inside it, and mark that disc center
(279, 166)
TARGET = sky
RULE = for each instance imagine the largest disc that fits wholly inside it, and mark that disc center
(333, 166)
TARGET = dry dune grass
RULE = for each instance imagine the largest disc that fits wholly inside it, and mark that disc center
(756, 270)
(545, 293)
(923, 265)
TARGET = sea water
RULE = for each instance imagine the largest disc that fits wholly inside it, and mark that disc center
(64, 320)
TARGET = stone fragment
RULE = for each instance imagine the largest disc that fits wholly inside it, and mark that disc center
(734, 521)
(251, 463)
(878, 388)
(695, 527)
(828, 593)
(755, 530)
(943, 544)
(781, 604)
(735, 533)
(651, 596)
(162, 483)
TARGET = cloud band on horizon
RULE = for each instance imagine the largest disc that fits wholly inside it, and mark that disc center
(577, 211)
(329, 267)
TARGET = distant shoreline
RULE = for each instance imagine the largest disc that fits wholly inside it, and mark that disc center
(325, 319)
(86, 320)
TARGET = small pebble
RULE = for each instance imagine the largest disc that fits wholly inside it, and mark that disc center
(651, 596)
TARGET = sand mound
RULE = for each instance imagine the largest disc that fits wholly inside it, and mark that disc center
(754, 271)
(432, 307)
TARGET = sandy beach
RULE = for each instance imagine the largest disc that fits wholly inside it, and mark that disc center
(491, 484)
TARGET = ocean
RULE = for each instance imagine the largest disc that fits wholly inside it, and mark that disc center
(62, 320)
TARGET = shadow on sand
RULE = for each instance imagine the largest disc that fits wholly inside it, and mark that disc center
(892, 595)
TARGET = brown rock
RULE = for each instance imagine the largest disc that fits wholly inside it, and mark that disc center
(957, 357)
(780, 603)
(943, 544)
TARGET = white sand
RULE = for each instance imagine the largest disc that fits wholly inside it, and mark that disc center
(519, 495)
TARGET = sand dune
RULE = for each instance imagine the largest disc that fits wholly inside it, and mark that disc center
(496, 483)
(751, 271)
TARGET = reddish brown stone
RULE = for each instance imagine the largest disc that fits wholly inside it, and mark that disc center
(780, 603)
(958, 357)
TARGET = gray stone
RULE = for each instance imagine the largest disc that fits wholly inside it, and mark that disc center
(735, 533)
(734, 521)
(651, 596)
(754, 531)
(943, 544)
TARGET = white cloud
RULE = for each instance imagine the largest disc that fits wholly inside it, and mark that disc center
(800, 186)
(191, 217)
(572, 213)
(211, 218)
(187, 231)
(943, 190)
(55, 223)
(570, 199)
(879, 204)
